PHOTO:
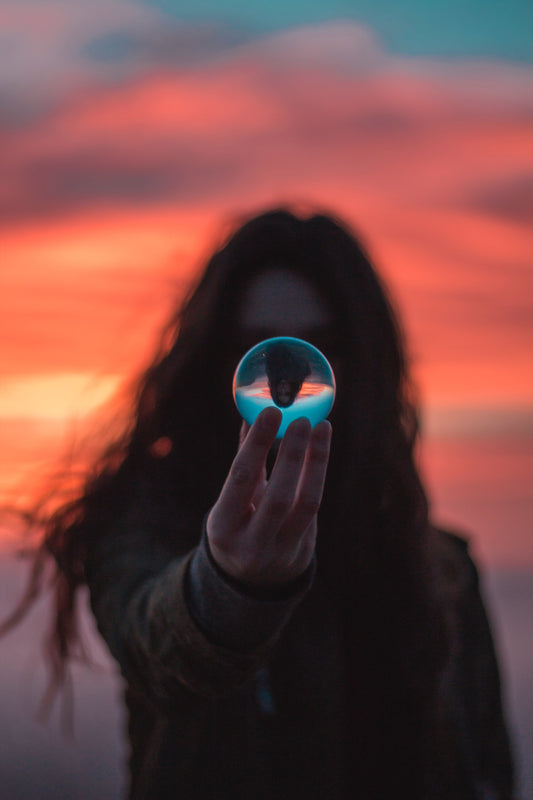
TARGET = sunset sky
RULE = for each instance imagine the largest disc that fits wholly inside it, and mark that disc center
(133, 133)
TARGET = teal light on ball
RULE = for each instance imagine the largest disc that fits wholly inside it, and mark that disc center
(287, 373)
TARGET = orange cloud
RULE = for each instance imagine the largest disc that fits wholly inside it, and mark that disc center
(110, 199)
(406, 150)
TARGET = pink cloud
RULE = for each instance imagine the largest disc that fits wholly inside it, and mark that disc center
(405, 149)
(268, 116)
(115, 191)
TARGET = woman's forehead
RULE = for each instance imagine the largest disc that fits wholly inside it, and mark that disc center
(280, 298)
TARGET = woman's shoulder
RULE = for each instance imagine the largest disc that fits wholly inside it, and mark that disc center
(455, 569)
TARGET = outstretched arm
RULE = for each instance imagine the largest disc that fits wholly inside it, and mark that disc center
(142, 598)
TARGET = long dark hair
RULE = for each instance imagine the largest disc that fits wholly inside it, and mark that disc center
(374, 554)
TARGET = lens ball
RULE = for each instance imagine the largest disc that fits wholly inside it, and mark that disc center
(287, 373)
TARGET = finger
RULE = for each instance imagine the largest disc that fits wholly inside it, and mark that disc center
(243, 433)
(280, 492)
(260, 490)
(245, 474)
(305, 546)
(311, 484)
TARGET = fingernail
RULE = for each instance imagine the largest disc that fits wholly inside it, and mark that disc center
(269, 416)
(301, 426)
(322, 434)
(323, 429)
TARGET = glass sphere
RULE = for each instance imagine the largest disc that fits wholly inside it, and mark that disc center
(289, 374)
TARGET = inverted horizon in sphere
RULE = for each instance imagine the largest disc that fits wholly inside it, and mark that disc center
(289, 374)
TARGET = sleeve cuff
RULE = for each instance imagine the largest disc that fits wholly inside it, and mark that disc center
(233, 615)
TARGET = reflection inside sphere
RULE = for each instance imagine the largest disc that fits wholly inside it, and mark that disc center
(288, 373)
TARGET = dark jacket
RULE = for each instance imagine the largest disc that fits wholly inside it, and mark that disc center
(260, 714)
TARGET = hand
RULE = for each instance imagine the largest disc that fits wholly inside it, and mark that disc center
(261, 532)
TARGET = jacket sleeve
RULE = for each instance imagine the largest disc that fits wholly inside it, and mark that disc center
(482, 726)
(140, 597)
(495, 758)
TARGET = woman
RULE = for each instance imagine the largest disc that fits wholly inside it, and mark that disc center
(265, 654)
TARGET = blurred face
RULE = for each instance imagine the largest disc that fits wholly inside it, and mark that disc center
(284, 395)
(280, 302)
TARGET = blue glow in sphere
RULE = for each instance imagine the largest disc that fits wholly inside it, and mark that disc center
(289, 374)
